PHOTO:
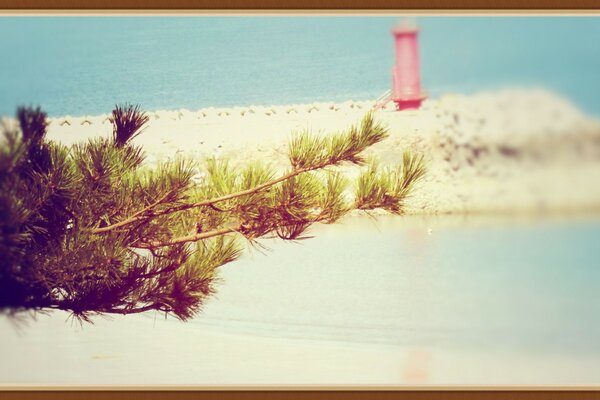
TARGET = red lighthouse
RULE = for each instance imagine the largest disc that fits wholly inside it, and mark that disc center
(406, 81)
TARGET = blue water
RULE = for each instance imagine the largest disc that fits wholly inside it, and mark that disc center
(84, 65)
(518, 286)
(487, 301)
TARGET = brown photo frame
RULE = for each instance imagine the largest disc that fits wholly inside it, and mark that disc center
(536, 7)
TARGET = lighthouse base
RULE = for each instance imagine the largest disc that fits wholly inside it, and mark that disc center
(408, 104)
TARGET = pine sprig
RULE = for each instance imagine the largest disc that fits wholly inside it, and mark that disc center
(309, 151)
(332, 202)
(128, 122)
(388, 188)
(91, 230)
(33, 123)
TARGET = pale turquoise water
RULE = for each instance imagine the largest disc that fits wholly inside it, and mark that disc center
(440, 283)
(504, 301)
(84, 65)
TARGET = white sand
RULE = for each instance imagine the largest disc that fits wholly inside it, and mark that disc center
(134, 350)
(510, 150)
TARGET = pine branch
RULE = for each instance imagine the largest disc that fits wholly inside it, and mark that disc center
(128, 122)
(196, 237)
(136, 310)
(148, 263)
(187, 239)
(169, 268)
(138, 216)
(388, 188)
(306, 154)
(204, 203)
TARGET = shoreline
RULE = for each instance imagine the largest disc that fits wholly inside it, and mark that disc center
(211, 360)
(510, 150)
(176, 114)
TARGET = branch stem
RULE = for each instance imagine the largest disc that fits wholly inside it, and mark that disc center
(133, 218)
(188, 238)
(138, 216)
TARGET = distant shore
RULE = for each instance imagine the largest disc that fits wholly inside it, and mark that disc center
(514, 150)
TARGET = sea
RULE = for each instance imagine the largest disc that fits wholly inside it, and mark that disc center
(511, 284)
(76, 65)
(460, 300)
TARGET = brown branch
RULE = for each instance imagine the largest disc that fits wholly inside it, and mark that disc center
(195, 237)
(210, 202)
(137, 310)
(186, 239)
(133, 218)
(232, 196)
(220, 209)
(168, 268)
(68, 307)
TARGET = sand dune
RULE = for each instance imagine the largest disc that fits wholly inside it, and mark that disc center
(508, 150)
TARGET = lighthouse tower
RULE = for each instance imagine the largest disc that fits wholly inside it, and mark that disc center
(406, 80)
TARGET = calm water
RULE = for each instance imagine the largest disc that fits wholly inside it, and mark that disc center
(513, 286)
(84, 65)
(487, 302)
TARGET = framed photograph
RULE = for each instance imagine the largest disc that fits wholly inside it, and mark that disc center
(334, 199)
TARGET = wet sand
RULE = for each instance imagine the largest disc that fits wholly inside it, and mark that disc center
(134, 351)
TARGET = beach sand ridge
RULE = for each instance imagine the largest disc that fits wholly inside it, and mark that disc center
(507, 150)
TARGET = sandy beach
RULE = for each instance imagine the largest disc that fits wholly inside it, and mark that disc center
(174, 355)
(512, 150)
